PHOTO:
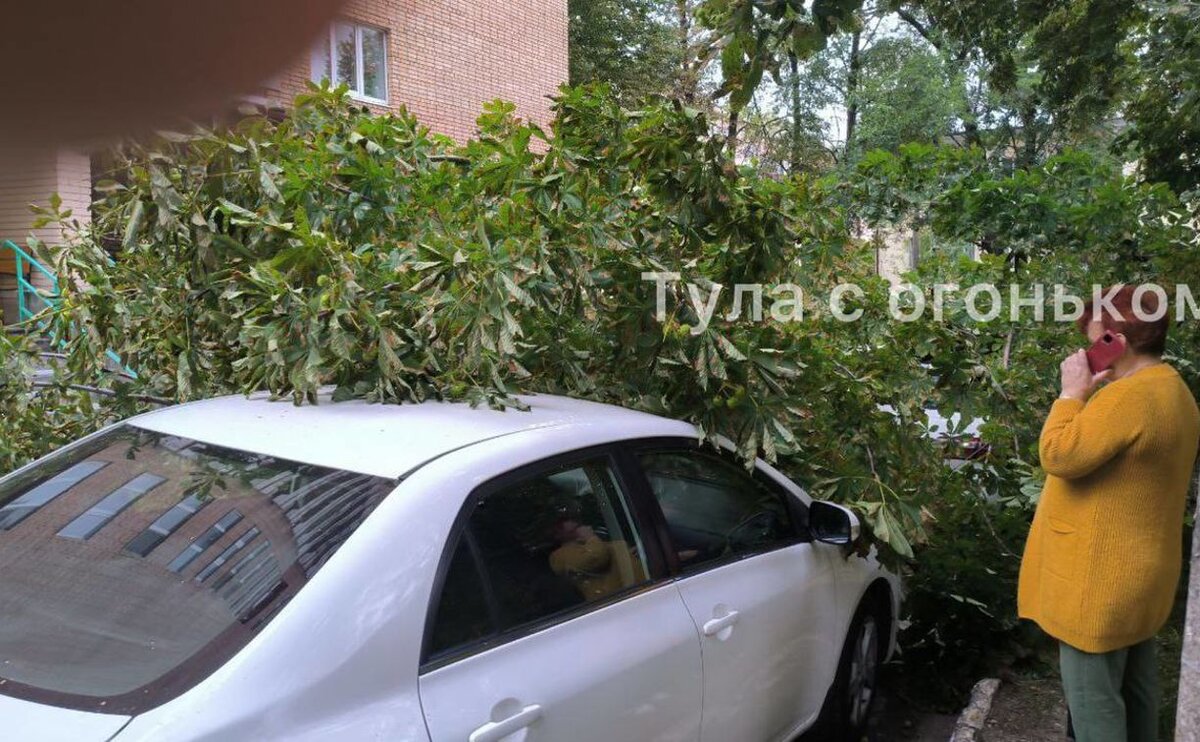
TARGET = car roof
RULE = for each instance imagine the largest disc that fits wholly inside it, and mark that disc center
(386, 440)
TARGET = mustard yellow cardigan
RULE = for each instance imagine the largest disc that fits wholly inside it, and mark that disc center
(1104, 553)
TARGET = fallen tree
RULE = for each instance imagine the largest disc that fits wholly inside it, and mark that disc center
(338, 248)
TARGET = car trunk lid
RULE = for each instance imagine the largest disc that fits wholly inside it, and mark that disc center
(27, 720)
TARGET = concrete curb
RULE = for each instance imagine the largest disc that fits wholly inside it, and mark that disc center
(974, 716)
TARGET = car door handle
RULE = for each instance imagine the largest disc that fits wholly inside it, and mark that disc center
(717, 625)
(497, 730)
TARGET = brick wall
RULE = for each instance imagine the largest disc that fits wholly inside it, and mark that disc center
(446, 58)
(30, 176)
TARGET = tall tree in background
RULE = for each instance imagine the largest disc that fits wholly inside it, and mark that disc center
(837, 71)
(757, 37)
(1164, 106)
(629, 44)
(694, 49)
(805, 80)
(906, 94)
(1055, 73)
(783, 130)
(878, 86)
(853, 77)
(984, 43)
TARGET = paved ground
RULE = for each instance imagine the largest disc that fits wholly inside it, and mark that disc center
(1028, 710)
(1024, 710)
(895, 721)
(892, 720)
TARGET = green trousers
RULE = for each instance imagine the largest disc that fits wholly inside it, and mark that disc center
(1113, 696)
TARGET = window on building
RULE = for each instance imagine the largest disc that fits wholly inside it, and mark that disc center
(229, 552)
(166, 524)
(931, 244)
(354, 55)
(259, 561)
(206, 539)
(95, 517)
(28, 503)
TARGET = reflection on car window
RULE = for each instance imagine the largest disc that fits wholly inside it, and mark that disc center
(26, 504)
(714, 509)
(134, 564)
(463, 615)
(548, 544)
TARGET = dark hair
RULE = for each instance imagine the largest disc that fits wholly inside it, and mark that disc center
(1149, 337)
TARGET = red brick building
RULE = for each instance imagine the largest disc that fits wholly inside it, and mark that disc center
(441, 59)
(445, 58)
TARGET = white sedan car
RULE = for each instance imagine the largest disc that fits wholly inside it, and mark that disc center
(240, 569)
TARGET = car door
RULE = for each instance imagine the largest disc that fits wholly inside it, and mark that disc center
(553, 617)
(759, 591)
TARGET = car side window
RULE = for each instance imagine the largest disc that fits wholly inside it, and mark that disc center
(550, 543)
(798, 511)
(463, 613)
(714, 508)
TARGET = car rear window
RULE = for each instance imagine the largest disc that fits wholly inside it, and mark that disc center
(135, 564)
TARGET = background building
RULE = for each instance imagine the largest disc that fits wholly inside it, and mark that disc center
(441, 59)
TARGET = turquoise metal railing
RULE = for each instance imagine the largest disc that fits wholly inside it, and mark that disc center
(32, 301)
(27, 293)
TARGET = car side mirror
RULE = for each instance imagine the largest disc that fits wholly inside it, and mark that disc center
(833, 524)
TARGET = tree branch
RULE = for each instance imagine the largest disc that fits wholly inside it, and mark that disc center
(918, 26)
(105, 392)
(456, 159)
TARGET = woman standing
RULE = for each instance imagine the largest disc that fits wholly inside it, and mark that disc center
(1104, 553)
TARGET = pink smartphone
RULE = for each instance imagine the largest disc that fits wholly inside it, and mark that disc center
(1104, 352)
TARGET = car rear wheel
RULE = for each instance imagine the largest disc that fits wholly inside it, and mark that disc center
(848, 705)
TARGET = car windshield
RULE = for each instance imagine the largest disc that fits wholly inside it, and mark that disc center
(134, 564)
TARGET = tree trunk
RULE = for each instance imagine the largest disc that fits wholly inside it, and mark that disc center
(731, 140)
(1187, 721)
(971, 131)
(1029, 141)
(797, 122)
(687, 76)
(852, 92)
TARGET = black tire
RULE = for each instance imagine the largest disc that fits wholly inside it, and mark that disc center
(848, 706)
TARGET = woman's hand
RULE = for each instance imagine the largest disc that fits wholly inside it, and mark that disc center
(1078, 381)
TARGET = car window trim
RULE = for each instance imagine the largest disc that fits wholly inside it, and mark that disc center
(500, 638)
(633, 449)
(796, 505)
(657, 568)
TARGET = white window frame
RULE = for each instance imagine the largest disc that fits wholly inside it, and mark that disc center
(326, 49)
